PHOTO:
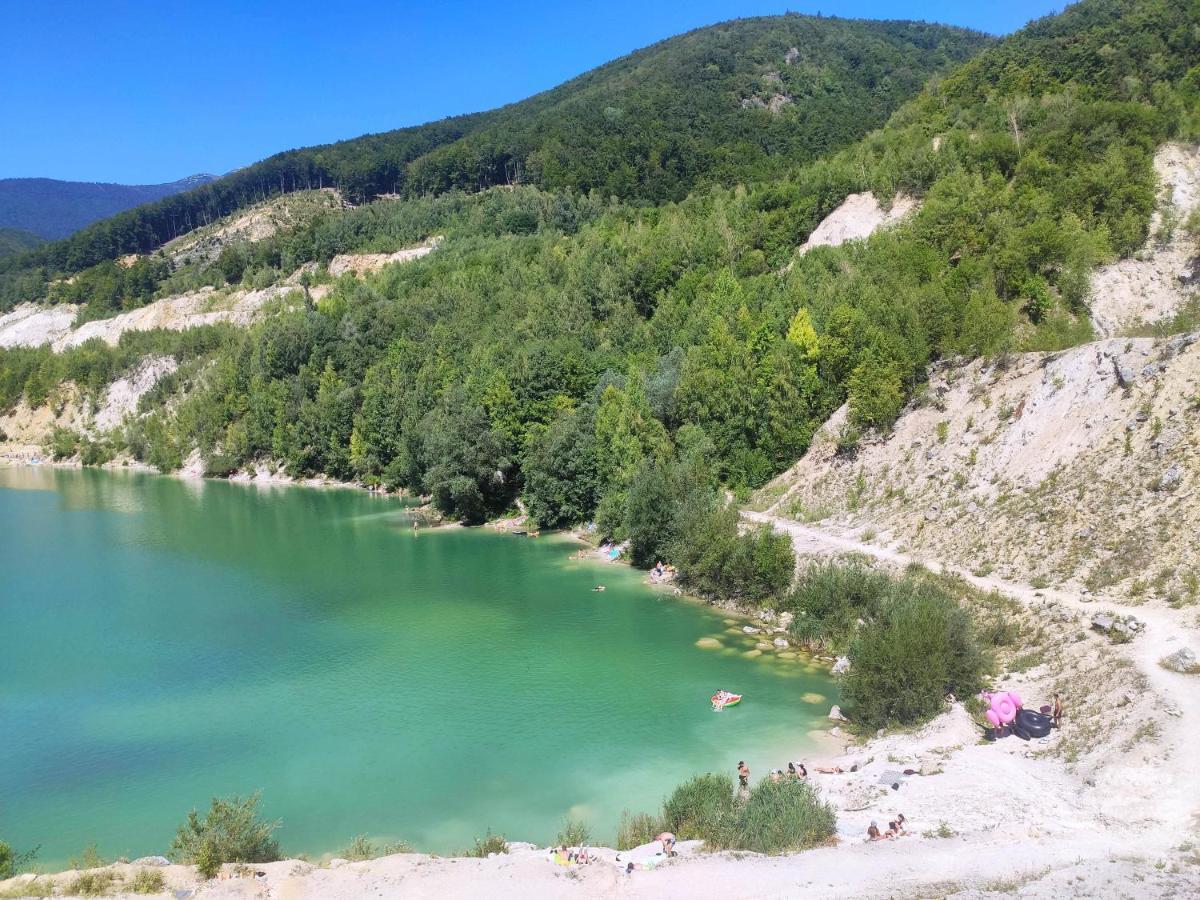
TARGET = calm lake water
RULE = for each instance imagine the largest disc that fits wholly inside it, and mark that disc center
(164, 641)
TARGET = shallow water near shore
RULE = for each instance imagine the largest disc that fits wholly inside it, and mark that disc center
(163, 641)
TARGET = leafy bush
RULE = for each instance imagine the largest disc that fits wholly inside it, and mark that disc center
(919, 648)
(700, 808)
(778, 817)
(12, 862)
(93, 884)
(64, 443)
(39, 887)
(230, 832)
(147, 881)
(574, 833)
(208, 859)
(487, 845)
(831, 597)
(636, 829)
(359, 848)
(89, 859)
(719, 561)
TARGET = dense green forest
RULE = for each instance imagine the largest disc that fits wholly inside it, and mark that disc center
(14, 241)
(622, 363)
(648, 127)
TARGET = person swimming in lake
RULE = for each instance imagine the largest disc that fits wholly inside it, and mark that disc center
(743, 774)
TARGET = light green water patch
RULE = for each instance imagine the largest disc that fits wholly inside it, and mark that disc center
(165, 641)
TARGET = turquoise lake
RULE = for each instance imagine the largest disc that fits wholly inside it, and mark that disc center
(163, 641)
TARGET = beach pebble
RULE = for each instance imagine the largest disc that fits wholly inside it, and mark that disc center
(749, 629)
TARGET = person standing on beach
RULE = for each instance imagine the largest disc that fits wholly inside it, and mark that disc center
(1057, 712)
(743, 774)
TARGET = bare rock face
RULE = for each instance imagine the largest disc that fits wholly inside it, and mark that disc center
(1183, 661)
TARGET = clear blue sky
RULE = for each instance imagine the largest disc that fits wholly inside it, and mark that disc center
(143, 92)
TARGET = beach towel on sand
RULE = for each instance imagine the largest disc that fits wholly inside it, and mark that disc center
(647, 856)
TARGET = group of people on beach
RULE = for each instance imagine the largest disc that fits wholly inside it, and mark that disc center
(895, 829)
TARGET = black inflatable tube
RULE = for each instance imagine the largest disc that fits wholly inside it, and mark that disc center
(1034, 724)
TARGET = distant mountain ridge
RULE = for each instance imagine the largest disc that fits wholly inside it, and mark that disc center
(737, 102)
(54, 209)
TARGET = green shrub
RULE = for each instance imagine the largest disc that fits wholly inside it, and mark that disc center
(230, 832)
(636, 829)
(722, 563)
(93, 884)
(360, 847)
(208, 859)
(13, 863)
(831, 597)
(218, 465)
(699, 808)
(488, 844)
(147, 881)
(89, 859)
(35, 888)
(574, 833)
(778, 817)
(919, 648)
(64, 443)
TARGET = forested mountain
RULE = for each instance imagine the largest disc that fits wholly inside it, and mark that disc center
(621, 361)
(55, 209)
(733, 102)
(14, 241)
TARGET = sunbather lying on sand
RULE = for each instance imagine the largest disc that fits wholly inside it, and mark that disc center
(824, 770)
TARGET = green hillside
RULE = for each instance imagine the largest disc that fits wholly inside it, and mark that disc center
(648, 127)
(619, 362)
(14, 241)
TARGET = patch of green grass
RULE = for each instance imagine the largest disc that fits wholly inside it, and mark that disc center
(942, 831)
(487, 845)
(574, 833)
(636, 829)
(93, 884)
(147, 881)
(36, 888)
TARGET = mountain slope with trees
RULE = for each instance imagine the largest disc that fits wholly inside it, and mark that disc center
(733, 102)
(14, 241)
(623, 362)
(54, 209)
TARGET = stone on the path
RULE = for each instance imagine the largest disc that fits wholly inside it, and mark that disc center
(1182, 660)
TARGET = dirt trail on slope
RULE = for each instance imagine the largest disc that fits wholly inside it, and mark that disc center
(1178, 804)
